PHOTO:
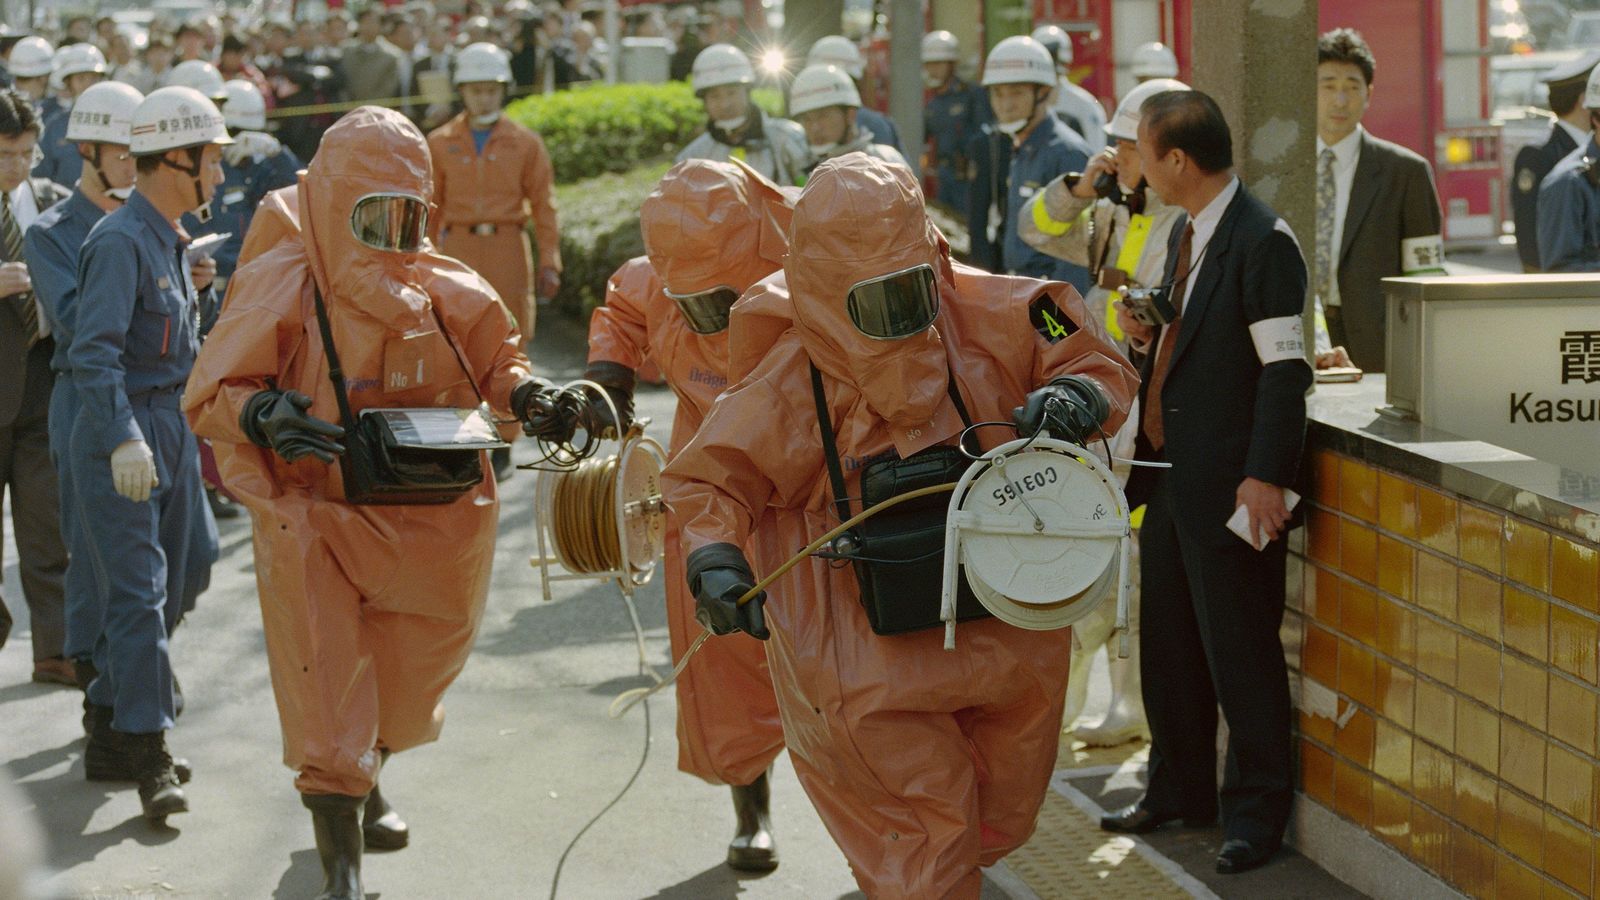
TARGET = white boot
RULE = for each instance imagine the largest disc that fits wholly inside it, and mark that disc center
(1125, 719)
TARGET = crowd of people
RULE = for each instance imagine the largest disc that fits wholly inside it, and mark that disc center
(1120, 274)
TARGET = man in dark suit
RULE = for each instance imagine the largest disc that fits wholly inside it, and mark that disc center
(1223, 400)
(1377, 208)
(1568, 132)
(25, 384)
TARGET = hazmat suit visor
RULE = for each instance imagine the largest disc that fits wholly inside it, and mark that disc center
(706, 312)
(391, 222)
(895, 306)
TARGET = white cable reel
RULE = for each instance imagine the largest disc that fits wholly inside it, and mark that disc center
(1041, 527)
(603, 519)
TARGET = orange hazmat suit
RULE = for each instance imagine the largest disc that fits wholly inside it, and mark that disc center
(485, 200)
(706, 225)
(924, 764)
(369, 611)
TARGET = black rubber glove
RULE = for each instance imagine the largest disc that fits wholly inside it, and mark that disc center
(1069, 408)
(618, 381)
(278, 421)
(719, 575)
(544, 414)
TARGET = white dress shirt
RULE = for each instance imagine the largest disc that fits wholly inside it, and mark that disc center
(26, 209)
(1346, 155)
(1205, 225)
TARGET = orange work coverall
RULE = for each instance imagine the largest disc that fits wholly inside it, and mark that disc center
(484, 202)
(369, 612)
(708, 224)
(924, 764)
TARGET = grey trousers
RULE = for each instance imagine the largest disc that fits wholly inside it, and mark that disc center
(26, 470)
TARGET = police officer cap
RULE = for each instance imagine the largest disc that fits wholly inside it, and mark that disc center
(1574, 70)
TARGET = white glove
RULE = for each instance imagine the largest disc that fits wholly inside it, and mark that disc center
(133, 470)
(255, 145)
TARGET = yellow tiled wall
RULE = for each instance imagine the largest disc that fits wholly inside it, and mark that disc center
(1464, 646)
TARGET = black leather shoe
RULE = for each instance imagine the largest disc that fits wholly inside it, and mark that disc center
(752, 848)
(1241, 856)
(1136, 819)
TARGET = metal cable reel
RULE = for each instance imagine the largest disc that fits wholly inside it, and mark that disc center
(602, 517)
(1041, 527)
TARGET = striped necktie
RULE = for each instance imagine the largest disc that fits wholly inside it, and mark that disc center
(11, 237)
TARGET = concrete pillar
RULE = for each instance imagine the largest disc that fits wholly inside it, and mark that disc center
(1258, 60)
(905, 76)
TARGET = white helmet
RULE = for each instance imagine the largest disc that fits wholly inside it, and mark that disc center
(940, 46)
(1124, 124)
(837, 50)
(1019, 60)
(819, 87)
(173, 118)
(1153, 60)
(721, 64)
(482, 62)
(200, 75)
(1591, 93)
(1057, 41)
(103, 114)
(31, 57)
(246, 109)
(76, 59)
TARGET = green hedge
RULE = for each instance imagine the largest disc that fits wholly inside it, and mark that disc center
(600, 231)
(613, 128)
(610, 128)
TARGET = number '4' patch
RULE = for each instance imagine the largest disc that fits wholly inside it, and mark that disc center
(1052, 324)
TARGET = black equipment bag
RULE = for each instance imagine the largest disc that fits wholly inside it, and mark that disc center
(898, 554)
(377, 469)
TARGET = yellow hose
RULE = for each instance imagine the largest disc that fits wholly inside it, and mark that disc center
(628, 699)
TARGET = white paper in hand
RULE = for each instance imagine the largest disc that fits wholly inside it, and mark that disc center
(1239, 522)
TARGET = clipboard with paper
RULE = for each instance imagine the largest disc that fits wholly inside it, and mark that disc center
(442, 428)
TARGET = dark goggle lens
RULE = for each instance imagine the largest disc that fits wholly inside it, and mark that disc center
(395, 223)
(707, 311)
(895, 306)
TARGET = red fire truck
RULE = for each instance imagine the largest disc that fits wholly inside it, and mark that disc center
(1431, 93)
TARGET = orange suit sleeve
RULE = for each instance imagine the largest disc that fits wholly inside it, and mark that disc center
(619, 331)
(538, 183)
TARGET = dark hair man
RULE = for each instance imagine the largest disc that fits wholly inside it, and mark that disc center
(25, 384)
(1377, 208)
(1232, 360)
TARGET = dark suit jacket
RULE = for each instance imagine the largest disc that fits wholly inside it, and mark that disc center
(1225, 415)
(13, 342)
(1533, 164)
(1392, 198)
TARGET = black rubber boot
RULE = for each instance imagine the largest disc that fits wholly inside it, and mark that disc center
(336, 819)
(106, 756)
(501, 460)
(159, 790)
(381, 827)
(753, 849)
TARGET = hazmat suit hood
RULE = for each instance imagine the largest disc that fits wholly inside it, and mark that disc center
(712, 224)
(277, 217)
(370, 150)
(860, 218)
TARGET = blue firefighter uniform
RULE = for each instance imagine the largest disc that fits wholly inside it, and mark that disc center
(61, 162)
(882, 129)
(50, 248)
(134, 342)
(1052, 149)
(952, 117)
(1569, 213)
(234, 205)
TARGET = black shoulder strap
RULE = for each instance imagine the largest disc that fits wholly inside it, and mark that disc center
(830, 450)
(335, 373)
(439, 320)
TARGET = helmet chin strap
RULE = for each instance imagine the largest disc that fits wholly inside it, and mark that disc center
(202, 208)
(119, 195)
